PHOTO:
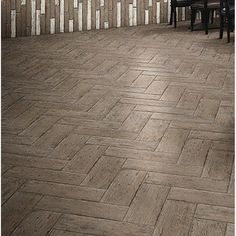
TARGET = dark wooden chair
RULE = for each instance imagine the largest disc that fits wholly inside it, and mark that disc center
(206, 7)
(174, 4)
(226, 15)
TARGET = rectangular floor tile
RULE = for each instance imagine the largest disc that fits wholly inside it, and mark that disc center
(230, 230)
(186, 68)
(73, 113)
(157, 87)
(172, 93)
(90, 98)
(85, 208)
(26, 118)
(218, 165)
(216, 136)
(40, 126)
(32, 161)
(84, 160)
(161, 109)
(189, 100)
(225, 116)
(223, 146)
(45, 175)
(56, 232)
(173, 140)
(194, 152)
(129, 77)
(14, 210)
(67, 148)
(208, 227)
(15, 110)
(103, 106)
(162, 167)
(175, 219)
(153, 130)
(88, 123)
(111, 133)
(147, 102)
(124, 187)
(207, 109)
(103, 173)
(179, 118)
(104, 227)
(204, 197)
(122, 143)
(187, 182)
(9, 185)
(25, 150)
(141, 155)
(120, 112)
(147, 204)
(37, 223)
(16, 139)
(215, 213)
(63, 190)
(78, 90)
(135, 121)
(143, 81)
(232, 181)
(9, 99)
(200, 125)
(53, 136)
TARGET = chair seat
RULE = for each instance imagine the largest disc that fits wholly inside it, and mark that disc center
(231, 10)
(182, 3)
(210, 5)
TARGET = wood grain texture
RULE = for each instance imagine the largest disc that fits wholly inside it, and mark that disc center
(208, 227)
(124, 187)
(55, 16)
(40, 219)
(147, 204)
(118, 132)
(175, 219)
(88, 225)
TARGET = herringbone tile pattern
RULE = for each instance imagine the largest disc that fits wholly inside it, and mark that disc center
(119, 132)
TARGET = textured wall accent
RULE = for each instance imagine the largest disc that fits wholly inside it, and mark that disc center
(35, 17)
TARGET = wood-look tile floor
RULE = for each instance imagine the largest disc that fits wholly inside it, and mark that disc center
(119, 132)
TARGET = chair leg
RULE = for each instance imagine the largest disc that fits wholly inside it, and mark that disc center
(193, 18)
(202, 17)
(171, 15)
(228, 30)
(175, 18)
(232, 26)
(206, 20)
(221, 26)
(212, 16)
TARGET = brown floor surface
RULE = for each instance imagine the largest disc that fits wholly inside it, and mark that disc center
(118, 132)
